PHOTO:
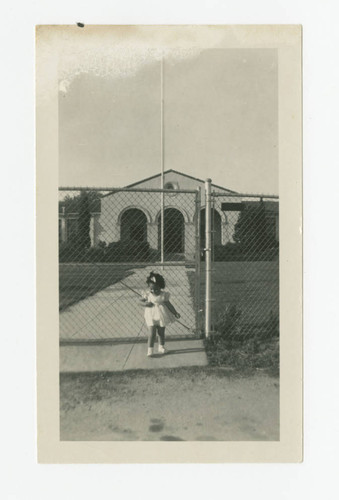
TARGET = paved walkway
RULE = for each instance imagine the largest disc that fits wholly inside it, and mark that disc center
(114, 313)
(118, 357)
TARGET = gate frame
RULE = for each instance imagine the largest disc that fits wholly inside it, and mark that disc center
(209, 258)
(196, 261)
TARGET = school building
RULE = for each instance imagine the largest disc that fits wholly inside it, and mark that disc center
(136, 216)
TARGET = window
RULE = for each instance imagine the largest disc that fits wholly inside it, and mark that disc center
(172, 186)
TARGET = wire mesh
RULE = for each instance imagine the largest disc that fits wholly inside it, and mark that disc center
(245, 253)
(109, 242)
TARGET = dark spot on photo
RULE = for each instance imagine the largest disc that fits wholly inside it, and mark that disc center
(171, 438)
(156, 427)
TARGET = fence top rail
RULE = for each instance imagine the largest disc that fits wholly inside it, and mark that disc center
(244, 195)
(176, 263)
(109, 190)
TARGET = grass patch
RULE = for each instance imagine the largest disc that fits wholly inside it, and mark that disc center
(242, 345)
(247, 355)
(97, 386)
(252, 286)
(245, 316)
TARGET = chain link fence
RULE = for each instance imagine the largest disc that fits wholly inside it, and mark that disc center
(245, 256)
(109, 242)
(111, 239)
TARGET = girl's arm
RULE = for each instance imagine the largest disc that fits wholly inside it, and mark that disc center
(145, 303)
(171, 308)
(144, 300)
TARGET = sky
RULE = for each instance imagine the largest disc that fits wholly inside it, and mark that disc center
(220, 118)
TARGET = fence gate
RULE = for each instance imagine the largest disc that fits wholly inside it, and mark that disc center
(109, 241)
(242, 265)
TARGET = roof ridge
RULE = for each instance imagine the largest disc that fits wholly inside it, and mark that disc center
(180, 173)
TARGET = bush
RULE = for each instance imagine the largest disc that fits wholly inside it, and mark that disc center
(93, 254)
(229, 326)
(69, 252)
(251, 231)
(238, 345)
(228, 322)
(127, 251)
(228, 252)
(118, 251)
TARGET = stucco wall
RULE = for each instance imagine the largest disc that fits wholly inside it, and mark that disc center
(106, 226)
(113, 206)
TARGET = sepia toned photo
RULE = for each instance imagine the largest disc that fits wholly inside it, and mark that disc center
(170, 162)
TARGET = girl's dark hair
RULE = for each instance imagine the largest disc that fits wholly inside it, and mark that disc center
(157, 279)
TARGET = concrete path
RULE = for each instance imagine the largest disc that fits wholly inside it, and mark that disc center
(114, 314)
(115, 311)
(119, 357)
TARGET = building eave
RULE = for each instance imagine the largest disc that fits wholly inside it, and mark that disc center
(179, 173)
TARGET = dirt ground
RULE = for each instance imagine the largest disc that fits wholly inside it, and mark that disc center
(186, 404)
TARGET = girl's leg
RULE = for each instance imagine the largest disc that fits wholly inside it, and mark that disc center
(152, 332)
(161, 333)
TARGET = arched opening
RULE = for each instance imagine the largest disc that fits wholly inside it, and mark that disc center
(215, 227)
(133, 226)
(174, 231)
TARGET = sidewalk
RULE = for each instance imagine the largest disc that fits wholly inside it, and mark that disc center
(113, 313)
(119, 357)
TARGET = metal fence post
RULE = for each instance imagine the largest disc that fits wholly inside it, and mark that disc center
(197, 258)
(208, 258)
(162, 229)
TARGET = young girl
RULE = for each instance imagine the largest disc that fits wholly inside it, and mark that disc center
(159, 312)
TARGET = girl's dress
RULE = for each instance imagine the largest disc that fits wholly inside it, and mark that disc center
(159, 313)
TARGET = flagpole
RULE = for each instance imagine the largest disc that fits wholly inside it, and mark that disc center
(162, 160)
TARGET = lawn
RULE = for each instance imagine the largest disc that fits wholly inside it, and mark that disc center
(253, 287)
(78, 281)
(245, 315)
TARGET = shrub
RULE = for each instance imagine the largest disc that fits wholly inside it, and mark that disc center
(228, 322)
(127, 251)
(83, 239)
(228, 252)
(117, 251)
(244, 346)
(68, 252)
(93, 254)
(251, 230)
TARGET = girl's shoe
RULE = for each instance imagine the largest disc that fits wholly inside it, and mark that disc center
(161, 349)
(150, 351)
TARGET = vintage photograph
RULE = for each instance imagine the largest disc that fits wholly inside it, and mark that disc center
(169, 244)
(171, 212)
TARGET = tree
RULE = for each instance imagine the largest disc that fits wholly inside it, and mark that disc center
(251, 232)
(72, 204)
(84, 221)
